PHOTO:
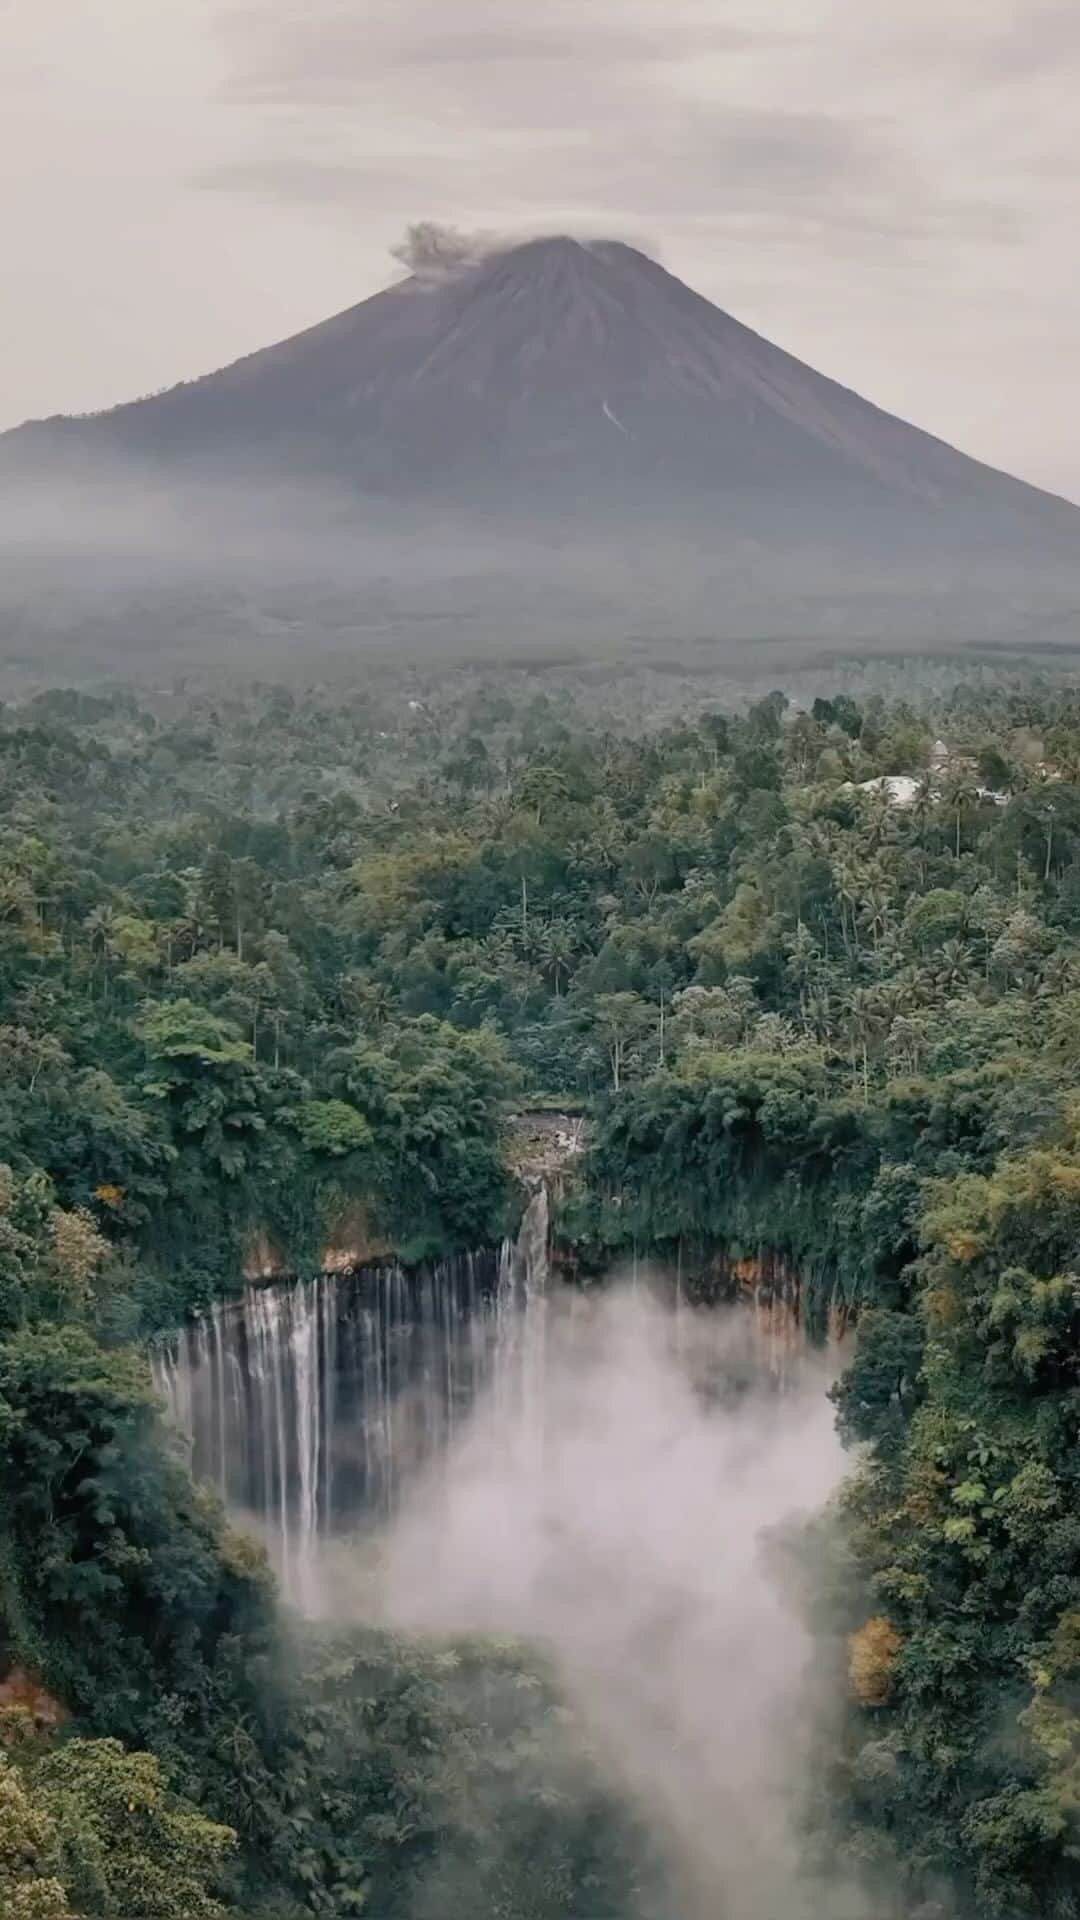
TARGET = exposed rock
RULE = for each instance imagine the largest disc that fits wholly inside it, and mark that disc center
(542, 1145)
(262, 1260)
(20, 1690)
(353, 1243)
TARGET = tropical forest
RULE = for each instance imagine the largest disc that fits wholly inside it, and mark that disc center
(352, 1036)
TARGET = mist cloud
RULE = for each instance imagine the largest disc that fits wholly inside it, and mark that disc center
(617, 1510)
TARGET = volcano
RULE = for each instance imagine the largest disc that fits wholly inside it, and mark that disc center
(569, 410)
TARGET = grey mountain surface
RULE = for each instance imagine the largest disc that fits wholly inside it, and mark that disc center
(558, 439)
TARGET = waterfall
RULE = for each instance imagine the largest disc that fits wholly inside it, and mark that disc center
(312, 1404)
(533, 1256)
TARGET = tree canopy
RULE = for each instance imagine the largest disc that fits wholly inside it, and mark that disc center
(816, 980)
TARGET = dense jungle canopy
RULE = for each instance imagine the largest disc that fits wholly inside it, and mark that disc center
(273, 960)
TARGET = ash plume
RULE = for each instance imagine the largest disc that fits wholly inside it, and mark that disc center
(433, 251)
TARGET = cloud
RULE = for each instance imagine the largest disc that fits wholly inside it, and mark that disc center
(435, 252)
(655, 109)
(618, 1504)
(694, 162)
(1008, 41)
(580, 120)
(331, 53)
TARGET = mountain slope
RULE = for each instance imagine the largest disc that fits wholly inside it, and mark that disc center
(548, 357)
(578, 393)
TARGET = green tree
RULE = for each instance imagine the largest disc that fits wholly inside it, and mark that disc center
(432, 1097)
(30, 1886)
(129, 1849)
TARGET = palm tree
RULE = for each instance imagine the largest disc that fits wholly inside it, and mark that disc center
(803, 965)
(849, 887)
(959, 793)
(869, 1017)
(921, 814)
(188, 930)
(557, 948)
(951, 967)
(876, 913)
(101, 926)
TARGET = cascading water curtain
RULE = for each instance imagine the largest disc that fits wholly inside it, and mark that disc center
(312, 1404)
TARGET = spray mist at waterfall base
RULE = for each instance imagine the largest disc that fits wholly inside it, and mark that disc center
(612, 1501)
(603, 1490)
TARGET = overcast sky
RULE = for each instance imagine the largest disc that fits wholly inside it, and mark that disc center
(887, 188)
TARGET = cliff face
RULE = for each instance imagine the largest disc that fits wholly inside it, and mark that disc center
(543, 1146)
(783, 1319)
(350, 1242)
(540, 1148)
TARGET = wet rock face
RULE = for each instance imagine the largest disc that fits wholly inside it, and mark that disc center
(543, 1145)
(766, 1276)
(351, 1243)
(784, 1320)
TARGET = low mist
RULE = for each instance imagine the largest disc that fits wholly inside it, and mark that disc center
(614, 1503)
